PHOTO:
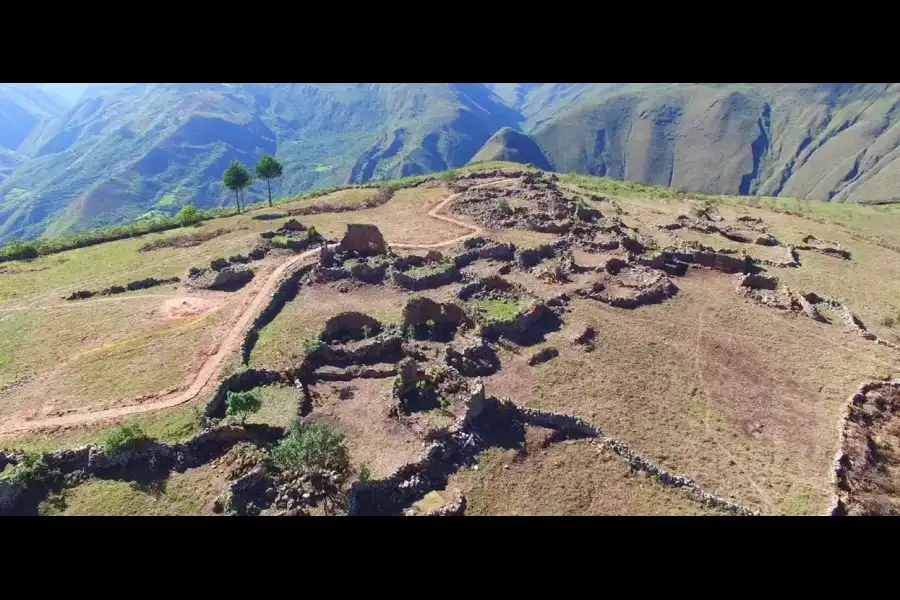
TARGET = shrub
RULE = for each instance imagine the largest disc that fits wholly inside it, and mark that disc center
(890, 321)
(32, 468)
(311, 232)
(241, 404)
(435, 373)
(430, 324)
(19, 250)
(364, 474)
(188, 215)
(124, 437)
(503, 206)
(366, 331)
(411, 332)
(309, 346)
(312, 446)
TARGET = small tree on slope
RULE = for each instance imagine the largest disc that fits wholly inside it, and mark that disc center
(268, 168)
(241, 404)
(236, 177)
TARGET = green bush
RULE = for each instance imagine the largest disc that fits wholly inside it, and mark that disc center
(309, 346)
(503, 206)
(312, 446)
(241, 404)
(32, 468)
(365, 475)
(311, 232)
(188, 215)
(125, 437)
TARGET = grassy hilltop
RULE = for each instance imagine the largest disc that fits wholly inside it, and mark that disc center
(740, 397)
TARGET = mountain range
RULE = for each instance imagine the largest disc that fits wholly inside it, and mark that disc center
(74, 156)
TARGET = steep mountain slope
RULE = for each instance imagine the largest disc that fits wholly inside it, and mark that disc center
(511, 145)
(130, 150)
(836, 141)
(22, 107)
(124, 151)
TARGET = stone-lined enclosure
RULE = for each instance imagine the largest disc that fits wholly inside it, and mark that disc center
(357, 346)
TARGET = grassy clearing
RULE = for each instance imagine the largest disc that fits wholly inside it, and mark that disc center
(183, 494)
(280, 404)
(502, 310)
(124, 370)
(429, 269)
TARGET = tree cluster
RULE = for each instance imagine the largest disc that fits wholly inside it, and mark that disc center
(237, 177)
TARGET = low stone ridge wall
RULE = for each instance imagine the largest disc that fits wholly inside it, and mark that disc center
(824, 247)
(354, 372)
(227, 279)
(533, 256)
(382, 196)
(140, 284)
(504, 252)
(758, 282)
(646, 286)
(476, 359)
(412, 481)
(426, 282)
(519, 324)
(350, 326)
(145, 459)
(842, 462)
(486, 285)
(385, 348)
(241, 381)
(418, 311)
(287, 290)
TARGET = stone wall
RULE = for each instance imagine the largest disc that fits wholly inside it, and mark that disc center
(426, 282)
(842, 462)
(146, 458)
(504, 252)
(140, 284)
(285, 291)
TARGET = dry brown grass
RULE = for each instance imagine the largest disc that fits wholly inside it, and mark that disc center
(740, 398)
(571, 478)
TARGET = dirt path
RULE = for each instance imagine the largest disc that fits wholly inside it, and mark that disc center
(211, 369)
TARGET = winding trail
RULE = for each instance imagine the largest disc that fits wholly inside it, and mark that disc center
(212, 368)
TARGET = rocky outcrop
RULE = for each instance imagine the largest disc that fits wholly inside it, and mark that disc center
(363, 240)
